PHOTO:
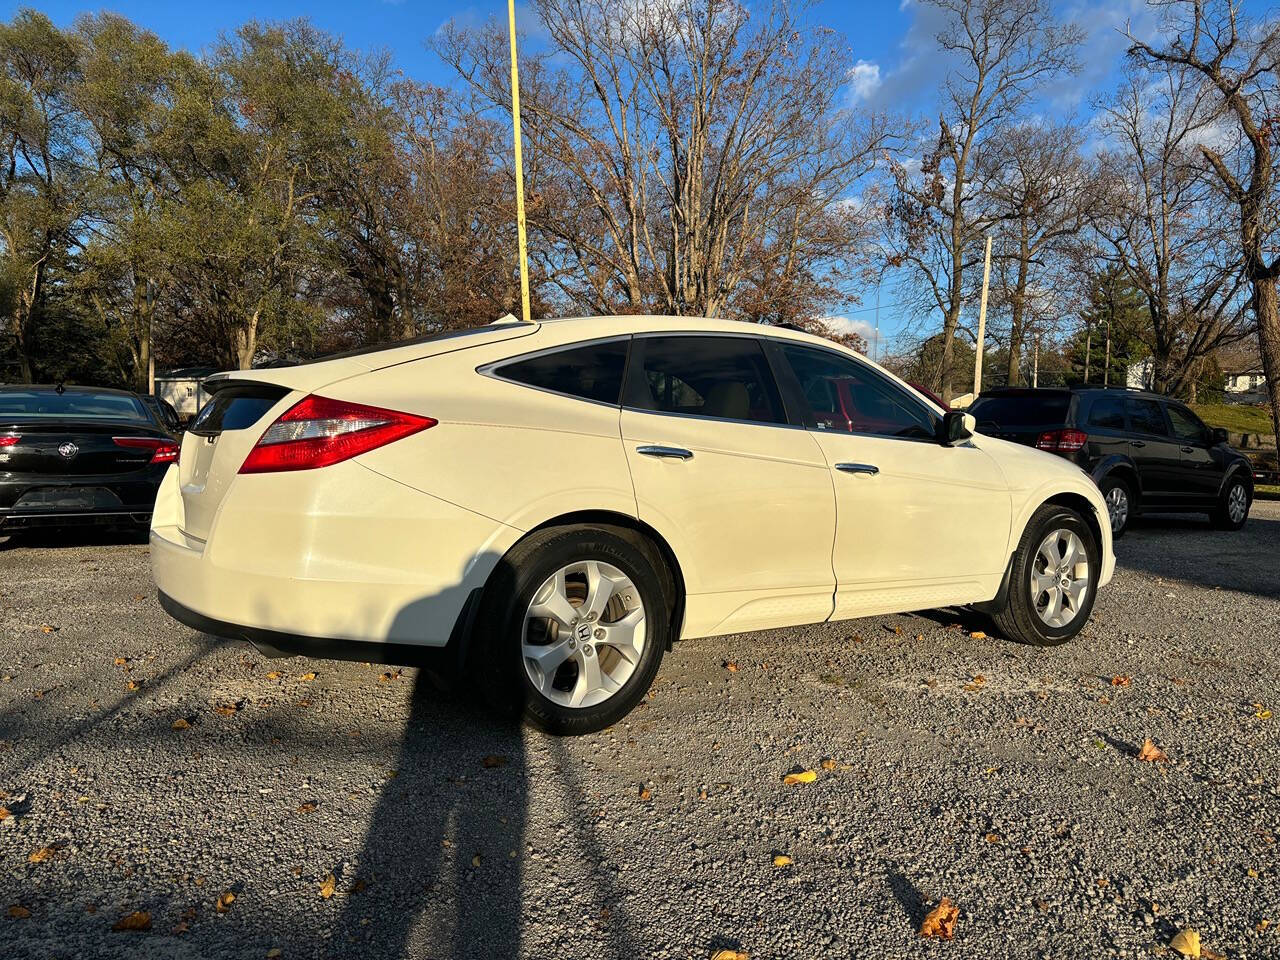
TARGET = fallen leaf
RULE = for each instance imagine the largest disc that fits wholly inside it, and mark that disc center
(48, 628)
(19, 912)
(1150, 753)
(807, 776)
(645, 793)
(977, 635)
(224, 901)
(897, 629)
(494, 760)
(475, 861)
(138, 920)
(731, 666)
(330, 884)
(308, 807)
(44, 853)
(828, 764)
(1187, 943)
(307, 677)
(273, 953)
(180, 724)
(227, 709)
(1262, 714)
(5, 813)
(782, 860)
(993, 838)
(389, 676)
(273, 675)
(132, 685)
(941, 921)
(121, 661)
(304, 703)
(1121, 681)
(181, 927)
(730, 955)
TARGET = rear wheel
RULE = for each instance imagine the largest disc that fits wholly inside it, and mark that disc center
(573, 630)
(1233, 506)
(1054, 579)
(1119, 499)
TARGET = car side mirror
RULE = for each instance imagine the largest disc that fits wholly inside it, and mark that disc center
(1219, 435)
(956, 426)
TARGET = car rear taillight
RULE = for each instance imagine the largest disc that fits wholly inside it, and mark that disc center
(162, 451)
(1062, 441)
(9, 441)
(317, 432)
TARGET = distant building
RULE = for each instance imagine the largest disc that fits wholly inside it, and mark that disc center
(184, 389)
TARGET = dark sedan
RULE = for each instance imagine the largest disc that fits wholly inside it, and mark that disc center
(71, 455)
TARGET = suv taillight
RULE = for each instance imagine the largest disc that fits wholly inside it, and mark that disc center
(162, 451)
(1062, 441)
(317, 432)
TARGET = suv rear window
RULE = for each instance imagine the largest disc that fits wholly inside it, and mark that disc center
(589, 371)
(1023, 409)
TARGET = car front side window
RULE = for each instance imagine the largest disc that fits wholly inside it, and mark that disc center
(1146, 417)
(1187, 427)
(724, 378)
(844, 395)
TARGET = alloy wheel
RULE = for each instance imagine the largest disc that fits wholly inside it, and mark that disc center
(1117, 507)
(584, 633)
(1059, 578)
(1237, 503)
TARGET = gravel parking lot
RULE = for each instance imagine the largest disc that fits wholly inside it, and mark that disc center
(249, 807)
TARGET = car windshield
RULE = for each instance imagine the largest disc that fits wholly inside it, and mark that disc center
(50, 404)
(1022, 409)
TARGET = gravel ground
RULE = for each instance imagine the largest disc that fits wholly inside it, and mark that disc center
(1017, 795)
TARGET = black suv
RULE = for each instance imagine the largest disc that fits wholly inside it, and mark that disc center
(1144, 451)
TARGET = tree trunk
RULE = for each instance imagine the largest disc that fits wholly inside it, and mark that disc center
(247, 342)
(1264, 305)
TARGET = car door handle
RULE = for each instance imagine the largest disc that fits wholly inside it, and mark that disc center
(669, 453)
(1187, 449)
(1137, 443)
(866, 468)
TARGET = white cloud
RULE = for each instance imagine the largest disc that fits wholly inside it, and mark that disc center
(864, 79)
(862, 328)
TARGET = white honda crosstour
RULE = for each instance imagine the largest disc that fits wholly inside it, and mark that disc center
(550, 505)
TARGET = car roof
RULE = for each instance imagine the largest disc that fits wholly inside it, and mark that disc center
(1059, 391)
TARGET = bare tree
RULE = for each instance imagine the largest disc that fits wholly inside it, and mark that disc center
(1003, 51)
(685, 147)
(1041, 193)
(1235, 59)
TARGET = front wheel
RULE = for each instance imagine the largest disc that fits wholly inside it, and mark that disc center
(1233, 506)
(1054, 579)
(573, 629)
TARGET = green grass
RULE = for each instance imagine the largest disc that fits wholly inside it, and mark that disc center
(1265, 491)
(1237, 418)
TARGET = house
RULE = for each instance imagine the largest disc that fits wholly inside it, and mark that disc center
(184, 389)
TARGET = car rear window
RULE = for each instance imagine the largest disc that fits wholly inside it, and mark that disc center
(235, 407)
(589, 371)
(1022, 409)
(50, 404)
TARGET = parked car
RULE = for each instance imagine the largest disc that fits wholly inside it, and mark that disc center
(1147, 453)
(163, 411)
(72, 455)
(550, 505)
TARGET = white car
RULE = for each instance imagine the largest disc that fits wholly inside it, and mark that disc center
(550, 505)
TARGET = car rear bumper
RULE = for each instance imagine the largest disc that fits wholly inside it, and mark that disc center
(321, 557)
(43, 501)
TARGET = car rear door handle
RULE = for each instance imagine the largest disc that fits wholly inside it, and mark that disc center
(1187, 449)
(866, 468)
(669, 453)
(1137, 443)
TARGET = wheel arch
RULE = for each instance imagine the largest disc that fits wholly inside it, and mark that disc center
(1081, 505)
(1124, 469)
(1240, 468)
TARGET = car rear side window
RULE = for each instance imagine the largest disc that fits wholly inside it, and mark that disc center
(1146, 416)
(727, 378)
(589, 371)
(1107, 413)
(844, 395)
(1023, 409)
(235, 407)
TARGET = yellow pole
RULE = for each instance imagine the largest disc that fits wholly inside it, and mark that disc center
(982, 322)
(515, 119)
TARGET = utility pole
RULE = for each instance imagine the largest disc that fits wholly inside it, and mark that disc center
(1088, 344)
(151, 342)
(515, 121)
(982, 321)
(1035, 363)
(1106, 364)
(876, 349)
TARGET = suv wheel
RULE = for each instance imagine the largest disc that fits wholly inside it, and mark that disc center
(1054, 579)
(1119, 499)
(1233, 506)
(574, 626)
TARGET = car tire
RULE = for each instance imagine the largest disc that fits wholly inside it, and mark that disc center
(1028, 614)
(540, 572)
(1232, 510)
(1118, 495)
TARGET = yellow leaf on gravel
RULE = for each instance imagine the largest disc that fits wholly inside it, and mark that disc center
(308, 807)
(1262, 713)
(782, 860)
(330, 884)
(731, 666)
(977, 635)
(645, 793)
(132, 685)
(226, 709)
(1121, 681)
(19, 912)
(807, 776)
(48, 628)
(1187, 943)
(993, 838)
(121, 661)
(138, 920)
(389, 676)
(273, 675)
(941, 921)
(273, 953)
(180, 724)
(730, 955)
(5, 813)
(307, 677)
(1150, 753)
(43, 854)
(828, 764)
(224, 901)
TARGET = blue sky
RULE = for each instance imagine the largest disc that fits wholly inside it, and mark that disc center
(891, 41)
